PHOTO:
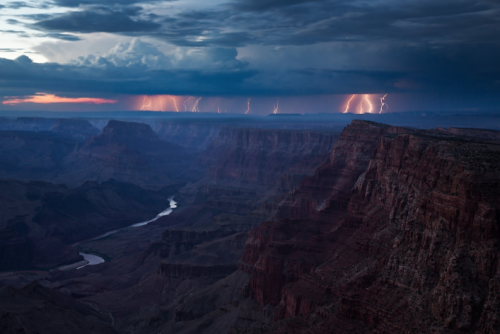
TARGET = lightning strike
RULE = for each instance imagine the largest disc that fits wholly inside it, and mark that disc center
(185, 107)
(248, 107)
(348, 103)
(175, 103)
(276, 107)
(218, 110)
(161, 104)
(370, 106)
(382, 104)
(195, 106)
(144, 105)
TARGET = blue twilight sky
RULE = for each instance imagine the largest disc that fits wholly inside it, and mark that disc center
(305, 56)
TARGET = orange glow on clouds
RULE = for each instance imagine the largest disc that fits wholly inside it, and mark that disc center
(51, 98)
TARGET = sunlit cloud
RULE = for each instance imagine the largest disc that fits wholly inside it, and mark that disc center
(43, 98)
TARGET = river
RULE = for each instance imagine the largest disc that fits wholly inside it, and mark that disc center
(93, 259)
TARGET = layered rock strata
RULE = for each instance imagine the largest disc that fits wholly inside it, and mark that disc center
(128, 152)
(406, 240)
(260, 156)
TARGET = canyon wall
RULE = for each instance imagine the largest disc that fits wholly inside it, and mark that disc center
(193, 134)
(128, 152)
(404, 237)
(243, 156)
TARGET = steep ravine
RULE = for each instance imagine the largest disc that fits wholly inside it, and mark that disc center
(404, 238)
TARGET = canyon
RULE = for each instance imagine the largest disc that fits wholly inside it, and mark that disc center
(376, 228)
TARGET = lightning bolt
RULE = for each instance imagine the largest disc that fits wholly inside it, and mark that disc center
(144, 105)
(175, 103)
(218, 110)
(195, 106)
(348, 103)
(276, 107)
(248, 107)
(189, 98)
(370, 106)
(382, 104)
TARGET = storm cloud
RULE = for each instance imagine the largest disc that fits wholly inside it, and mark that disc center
(98, 19)
(276, 47)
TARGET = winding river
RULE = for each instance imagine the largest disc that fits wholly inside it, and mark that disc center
(93, 259)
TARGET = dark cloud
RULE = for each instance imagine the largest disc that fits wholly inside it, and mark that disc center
(302, 22)
(98, 19)
(18, 4)
(12, 21)
(23, 77)
(292, 22)
(138, 68)
(392, 46)
(64, 37)
(19, 33)
(24, 4)
(10, 50)
(77, 3)
(260, 5)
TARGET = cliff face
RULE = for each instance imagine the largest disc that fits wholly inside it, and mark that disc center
(348, 159)
(27, 124)
(407, 243)
(260, 156)
(196, 135)
(78, 129)
(29, 155)
(128, 152)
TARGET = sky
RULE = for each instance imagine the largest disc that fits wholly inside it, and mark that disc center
(250, 56)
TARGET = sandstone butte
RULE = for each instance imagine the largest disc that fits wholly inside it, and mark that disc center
(397, 233)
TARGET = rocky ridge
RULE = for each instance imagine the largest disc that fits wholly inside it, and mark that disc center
(405, 242)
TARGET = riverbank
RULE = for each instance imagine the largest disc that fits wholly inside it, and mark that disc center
(91, 259)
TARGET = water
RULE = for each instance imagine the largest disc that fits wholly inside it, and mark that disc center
(173, 205)
(94, 259)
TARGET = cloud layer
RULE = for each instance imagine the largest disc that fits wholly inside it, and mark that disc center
(267, 48)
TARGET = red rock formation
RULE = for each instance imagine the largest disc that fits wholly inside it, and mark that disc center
(260, 156)
(348, 159)
(408, 241)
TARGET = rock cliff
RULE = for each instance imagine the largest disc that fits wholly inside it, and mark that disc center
(128, 152)
(403, 238)
(243, 156)
(78, 129)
